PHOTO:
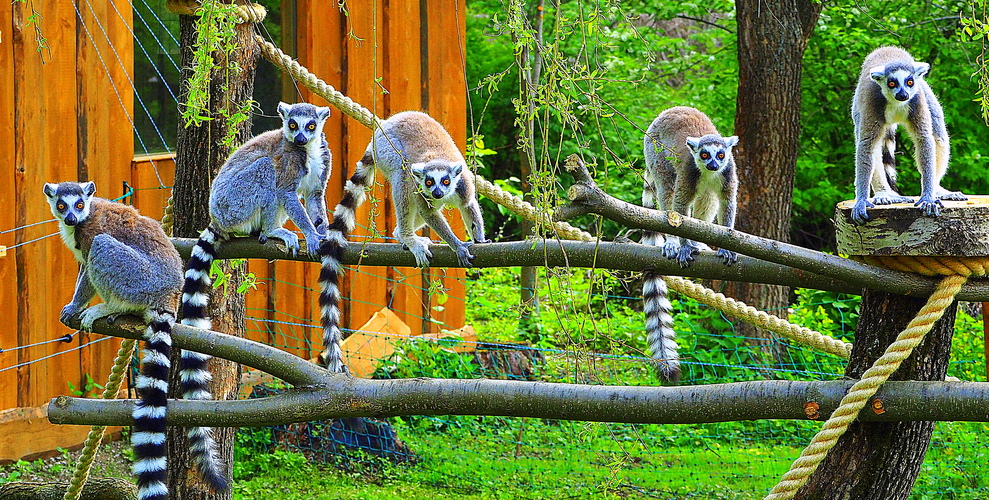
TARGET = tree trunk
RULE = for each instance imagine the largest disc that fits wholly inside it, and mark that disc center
(882, 460)
(199, 156)
(772, 37)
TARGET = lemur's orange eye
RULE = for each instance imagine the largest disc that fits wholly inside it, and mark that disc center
(705, 155)
(429, 183)
(910, 82)
(446, 182)
(891, 84)
(292, 126)
(721, 156)
(61, 206)
(79, 205)
(311, 127)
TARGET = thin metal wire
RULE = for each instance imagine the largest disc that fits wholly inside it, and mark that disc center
(116, 91)
(28, 225)
(65, 338)
(164, 51)
(55, 354)
(162, 23)
(137, 41)
(30, 241)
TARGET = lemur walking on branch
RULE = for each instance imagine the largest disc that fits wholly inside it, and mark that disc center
(426, 172)
(689, 169)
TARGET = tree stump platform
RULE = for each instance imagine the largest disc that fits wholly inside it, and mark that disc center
(882, 460)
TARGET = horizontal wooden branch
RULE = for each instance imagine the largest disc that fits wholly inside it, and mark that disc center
(609, 255)
(328, 395)
(587, 197)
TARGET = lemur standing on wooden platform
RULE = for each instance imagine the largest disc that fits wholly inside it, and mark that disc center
(254, 193)
(891, 91)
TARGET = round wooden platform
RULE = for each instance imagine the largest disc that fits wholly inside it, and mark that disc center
(962, 229)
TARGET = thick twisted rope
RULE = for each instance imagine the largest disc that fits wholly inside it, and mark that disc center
(958, 269)
(96, 432)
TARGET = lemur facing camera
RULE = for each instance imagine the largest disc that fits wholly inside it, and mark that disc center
(689, 169)
(426, 172)
(891, 91)
(130, 263)
(254, 193)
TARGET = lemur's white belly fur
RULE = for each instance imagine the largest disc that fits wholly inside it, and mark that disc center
(898, 113)
(311, 182)
(707, 198)
(69, 237)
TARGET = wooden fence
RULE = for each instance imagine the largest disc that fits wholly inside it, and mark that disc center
(66, 113)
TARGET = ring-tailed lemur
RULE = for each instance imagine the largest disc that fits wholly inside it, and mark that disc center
(891, 91)
(130, 263)
(689, 169)
(426, 172)
(254, 193)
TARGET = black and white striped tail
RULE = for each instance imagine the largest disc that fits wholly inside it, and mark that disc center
(148, 436)
(193, 372)
(659, 327)
(889, 158)
(331, 249)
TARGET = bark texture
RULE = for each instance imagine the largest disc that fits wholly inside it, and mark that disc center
(772, 37)
(882, 460)
(199, 156)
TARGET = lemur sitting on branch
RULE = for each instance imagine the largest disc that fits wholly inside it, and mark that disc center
(131, 264)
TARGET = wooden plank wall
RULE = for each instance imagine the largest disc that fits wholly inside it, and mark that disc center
(65, 114)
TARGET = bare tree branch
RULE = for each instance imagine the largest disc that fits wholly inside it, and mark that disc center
(319, 394)
(624, 257)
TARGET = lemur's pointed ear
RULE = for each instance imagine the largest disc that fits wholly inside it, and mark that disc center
(920, 69)
(693, 143)
(283, 110)
(731, 141)
(418, 169)
(89, 188)
(322, 113)
(456, 168)
(50, 189)
(877, 73)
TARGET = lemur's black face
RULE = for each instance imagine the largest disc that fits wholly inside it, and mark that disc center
(302, 122)
(437, 179)
(898, 80)
(70, 201)
(711, 152)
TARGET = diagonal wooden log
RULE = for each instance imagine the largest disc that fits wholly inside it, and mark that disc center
(586, 197)
(318, 394)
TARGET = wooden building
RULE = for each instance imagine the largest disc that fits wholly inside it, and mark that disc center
(69, 111)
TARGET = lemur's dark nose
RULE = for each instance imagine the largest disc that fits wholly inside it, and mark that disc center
(712, 165)
(300, 140)
(901, 96)
(437, 193)
(70, 219)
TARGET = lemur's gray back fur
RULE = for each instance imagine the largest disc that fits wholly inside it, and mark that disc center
(690, 169)
(892, 91)
(426, 171)
(130, 263)
(256, 190)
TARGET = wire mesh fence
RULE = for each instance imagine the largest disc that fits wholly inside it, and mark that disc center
(538, 458)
